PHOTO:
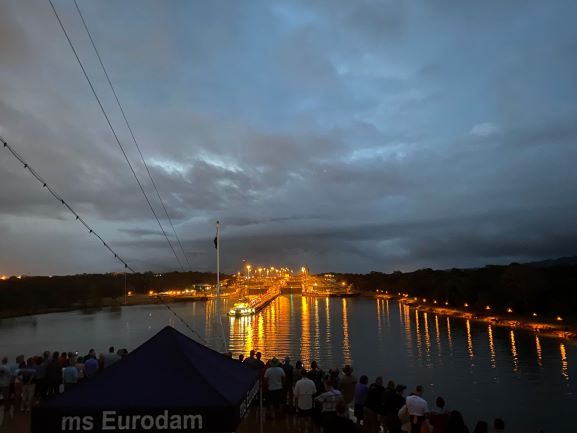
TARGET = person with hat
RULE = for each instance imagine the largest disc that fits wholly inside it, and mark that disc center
(289, 381)
(348, 385)
(274, 378)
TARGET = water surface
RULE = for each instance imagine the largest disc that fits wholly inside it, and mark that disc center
(484, 371)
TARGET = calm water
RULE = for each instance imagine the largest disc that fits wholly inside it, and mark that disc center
(483, 371)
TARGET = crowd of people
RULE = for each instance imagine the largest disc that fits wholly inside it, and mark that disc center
(25, 381)
(337, 401)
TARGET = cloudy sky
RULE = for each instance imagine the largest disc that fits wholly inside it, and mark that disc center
(345, 135)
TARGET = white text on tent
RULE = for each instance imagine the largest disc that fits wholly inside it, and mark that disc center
(112, 421)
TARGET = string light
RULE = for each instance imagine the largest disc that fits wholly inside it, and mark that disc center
(159, 298)
(57, 196)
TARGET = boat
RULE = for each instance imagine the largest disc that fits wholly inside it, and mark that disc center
(241, 309)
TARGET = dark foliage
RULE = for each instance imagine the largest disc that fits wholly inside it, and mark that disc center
(37, 294)
(547, 290)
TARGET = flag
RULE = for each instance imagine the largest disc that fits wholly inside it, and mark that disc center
(215, 242)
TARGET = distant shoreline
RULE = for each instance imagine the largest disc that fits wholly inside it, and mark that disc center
(565, 331)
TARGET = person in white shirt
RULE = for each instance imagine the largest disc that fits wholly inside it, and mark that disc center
(303, 394)
(274, 378)
(418, 408)
(304, 391)
(109, 358)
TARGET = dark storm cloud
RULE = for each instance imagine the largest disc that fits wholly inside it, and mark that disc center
(349, 136)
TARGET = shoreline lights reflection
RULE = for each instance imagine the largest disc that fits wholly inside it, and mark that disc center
(305, 332)
(328, 328)
(492, 356)
(449, 338)
(514, 353)
(346, 340)
(539, 352)
(427, 339)
(418, 335)
(564, 363)
(271, 332)
(438, 337)
(469, 340)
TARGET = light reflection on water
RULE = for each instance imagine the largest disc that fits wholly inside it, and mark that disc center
(517, 375)
(564, 363)
(469, 340)
(348, 360)
(493, 358)
(539, 351)
(514, 354)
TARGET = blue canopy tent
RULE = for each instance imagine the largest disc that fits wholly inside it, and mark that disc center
(170, 383)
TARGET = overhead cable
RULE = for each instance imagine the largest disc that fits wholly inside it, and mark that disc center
(159, 298)
(82, 221)
(113, 131)
(130, 129)
(58, 197)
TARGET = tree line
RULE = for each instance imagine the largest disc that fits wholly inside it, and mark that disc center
(547, 291)
(29, 295)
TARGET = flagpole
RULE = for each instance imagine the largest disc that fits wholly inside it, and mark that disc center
(217, 242)
(217, 259)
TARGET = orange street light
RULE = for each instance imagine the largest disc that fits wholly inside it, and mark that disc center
(534, 314)
(509, 310)
(487, 308)
(559, 318)
(466, 305)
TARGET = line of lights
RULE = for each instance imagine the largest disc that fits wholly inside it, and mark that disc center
(465, 304)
